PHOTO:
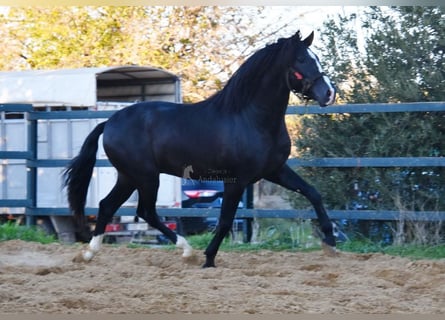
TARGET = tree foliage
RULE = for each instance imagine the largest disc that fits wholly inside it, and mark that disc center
(203, 45)
(381, 55)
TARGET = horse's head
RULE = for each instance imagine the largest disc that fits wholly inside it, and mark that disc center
(305, 75)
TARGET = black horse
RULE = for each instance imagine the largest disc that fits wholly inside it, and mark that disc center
(238, 133)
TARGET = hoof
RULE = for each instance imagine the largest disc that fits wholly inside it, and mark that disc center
(84, 256)
(187, 249)
(210, 262)
(205, 266)
(328, 250)
(192, 260)
(80, 257)
(188, 253)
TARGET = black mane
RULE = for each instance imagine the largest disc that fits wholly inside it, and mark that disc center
(243, 84)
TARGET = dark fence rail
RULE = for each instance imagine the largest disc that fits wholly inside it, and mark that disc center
(33, 163)
(369, 162)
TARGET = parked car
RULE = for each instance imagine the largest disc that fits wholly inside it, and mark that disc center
(202, 194)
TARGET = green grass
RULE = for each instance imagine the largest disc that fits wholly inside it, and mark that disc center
(200, 242)
(12, 231)
(412, 251)
(417, 251)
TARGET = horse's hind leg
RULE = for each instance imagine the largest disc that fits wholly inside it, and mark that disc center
(121, 191)
(147, 211)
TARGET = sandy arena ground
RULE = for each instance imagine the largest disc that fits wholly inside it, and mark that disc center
(43, 278)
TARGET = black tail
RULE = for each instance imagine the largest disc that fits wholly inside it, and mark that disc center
(78, 174)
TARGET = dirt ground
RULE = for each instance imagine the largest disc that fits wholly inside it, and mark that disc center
(43, 278)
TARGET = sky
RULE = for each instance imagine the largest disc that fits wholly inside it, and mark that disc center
(303, 18)
(308, 18)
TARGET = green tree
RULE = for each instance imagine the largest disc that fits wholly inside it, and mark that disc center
(203, 45)
(396, 55)
(387, 54)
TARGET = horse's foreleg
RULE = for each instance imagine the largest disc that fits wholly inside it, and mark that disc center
(289, 179)
(107, 207)
(231, 198)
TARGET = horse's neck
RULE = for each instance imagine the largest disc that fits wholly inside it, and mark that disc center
(262, 99)
(270, 103)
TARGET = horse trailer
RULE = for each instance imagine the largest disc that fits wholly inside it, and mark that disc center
(81, 90)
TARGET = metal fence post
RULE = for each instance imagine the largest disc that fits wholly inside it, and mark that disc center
(31, 184)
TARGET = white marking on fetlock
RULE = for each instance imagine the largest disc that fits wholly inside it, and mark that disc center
(93, 247)
(183, 244)
(96, 243)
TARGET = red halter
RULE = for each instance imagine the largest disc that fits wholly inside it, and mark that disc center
(298, 75)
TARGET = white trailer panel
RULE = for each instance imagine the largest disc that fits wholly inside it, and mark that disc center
(109, 88)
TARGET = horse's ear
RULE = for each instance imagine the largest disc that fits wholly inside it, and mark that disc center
(297, 36)
(309, 39)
